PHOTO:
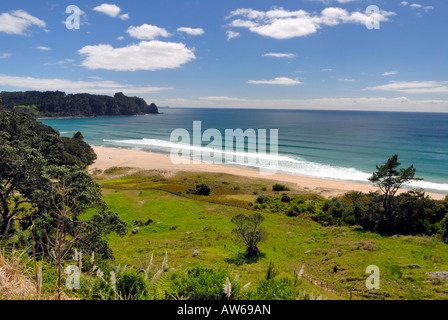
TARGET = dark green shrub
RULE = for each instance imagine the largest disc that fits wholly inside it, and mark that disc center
(261, 199)
(286, 198)
(202, 283)
(203, 190)
(131, 285)
(102, 290)
(279, 187)
(275, 289)
(293, 211)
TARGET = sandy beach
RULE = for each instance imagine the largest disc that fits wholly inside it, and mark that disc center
(109, 157)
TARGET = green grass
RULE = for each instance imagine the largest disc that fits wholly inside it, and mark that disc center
(334, 256)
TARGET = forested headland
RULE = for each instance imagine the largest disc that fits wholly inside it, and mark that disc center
(59, 104)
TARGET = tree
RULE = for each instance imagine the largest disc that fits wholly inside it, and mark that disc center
(21, 182)
(389, 179)
(203, 190)
(249, 231)
(32, 157)
(78, 135)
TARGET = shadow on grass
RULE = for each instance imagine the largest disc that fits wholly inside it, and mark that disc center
(240, 259)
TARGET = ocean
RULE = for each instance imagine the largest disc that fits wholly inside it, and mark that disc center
(336, 145)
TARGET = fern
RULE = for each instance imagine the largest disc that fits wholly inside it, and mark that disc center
(161, 286)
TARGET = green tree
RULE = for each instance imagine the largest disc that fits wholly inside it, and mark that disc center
(21, 182)
(203, 190)
(390, 179)
(250, 232)
(32, 159)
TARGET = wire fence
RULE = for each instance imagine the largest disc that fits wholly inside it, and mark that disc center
(351, 293)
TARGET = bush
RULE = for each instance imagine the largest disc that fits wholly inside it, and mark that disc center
(286, 198)
(102, 290)
(444, 230)
(203, 190)
(261, 199)
(202, 283)
(293, 211)
(131, 285)
(275, 289)
(279, 187)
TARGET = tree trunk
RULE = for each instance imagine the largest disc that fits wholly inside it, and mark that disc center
(251, 252)
(5, 225)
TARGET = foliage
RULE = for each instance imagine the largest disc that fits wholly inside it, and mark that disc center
(77, 151)
(201, 283)
(261, 199)
(279, 187)
(202, 190)
(413, 212)
(58, 104)
(102, 290)
(34, 160)
(131, 285)
(249, 231)
(275, 289)
(389, 179)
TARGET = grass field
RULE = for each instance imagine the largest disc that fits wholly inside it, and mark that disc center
(335, 258)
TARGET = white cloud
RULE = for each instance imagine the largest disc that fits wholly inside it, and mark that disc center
(418, 7)
(326, 70)
(231, 34)
(59, 63)
(147, 32)
(191, 31)
(146, 55)
(124, 16)
(17, 22)
(43, 48)
(413, 87)
(105, 87)
(5, 55)
(111, 10)
(389, 73)
(278, 81)
(346, 80)
(279, 23)
(280, 55)
(120, 38)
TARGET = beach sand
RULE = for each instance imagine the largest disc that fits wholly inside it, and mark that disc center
(109, 157)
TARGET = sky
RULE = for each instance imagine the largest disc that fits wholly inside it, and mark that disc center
(292, 54)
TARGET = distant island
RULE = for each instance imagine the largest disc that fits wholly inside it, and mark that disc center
(52, 104)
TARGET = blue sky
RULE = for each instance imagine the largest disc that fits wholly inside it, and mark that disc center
(310, 54)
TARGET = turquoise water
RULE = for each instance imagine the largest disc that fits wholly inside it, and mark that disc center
(340, 145)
